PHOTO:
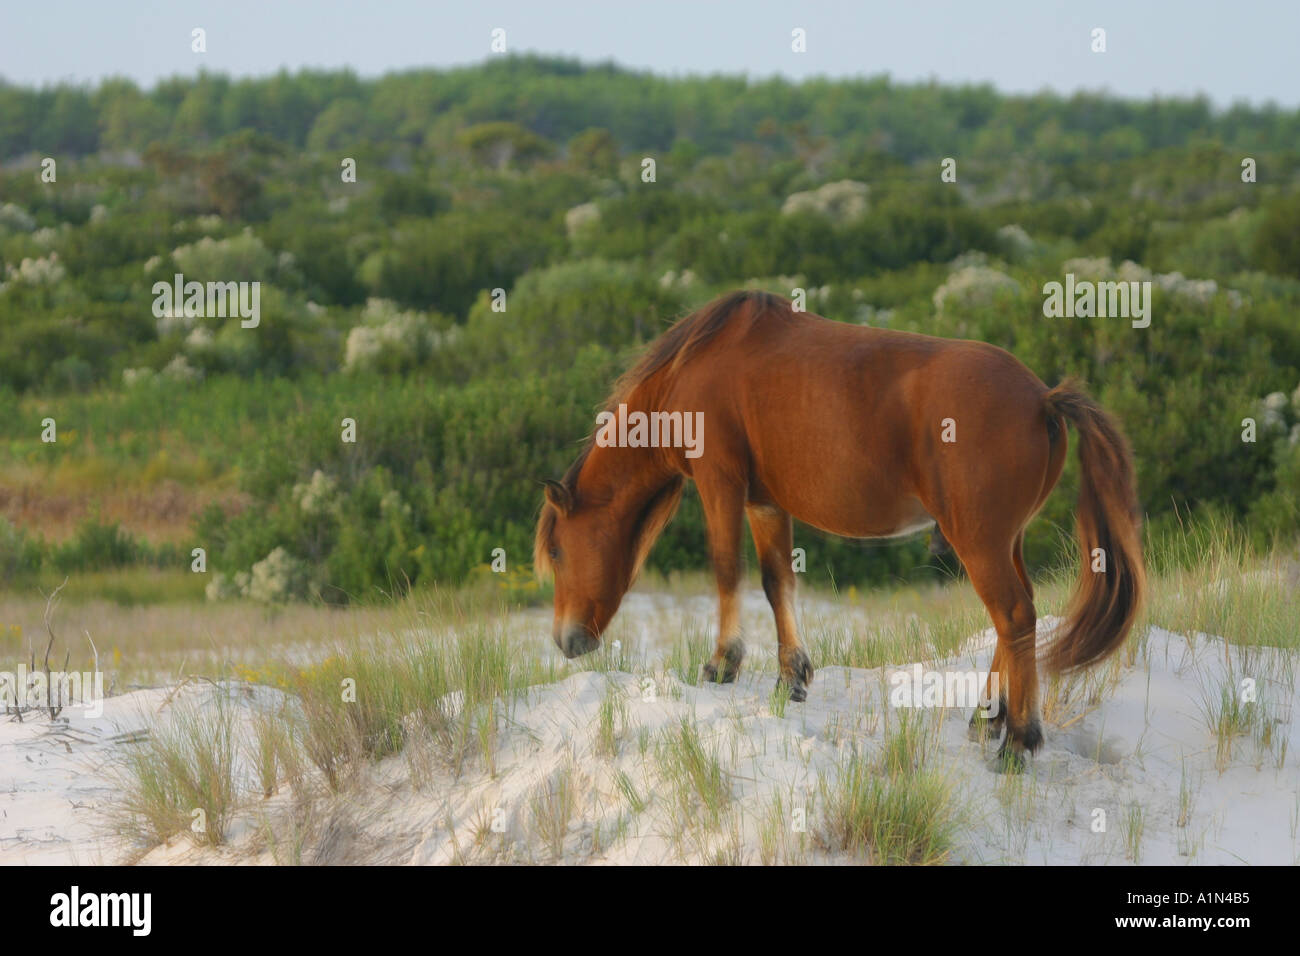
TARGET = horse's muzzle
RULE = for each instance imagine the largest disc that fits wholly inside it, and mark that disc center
(576, 641)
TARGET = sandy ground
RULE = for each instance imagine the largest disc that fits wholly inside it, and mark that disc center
(1143, 751)
(55, 777)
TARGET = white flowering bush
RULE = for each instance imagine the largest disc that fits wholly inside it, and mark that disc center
(243, 257)
(973, 257)
(177, 371)
(200, 339)
(318, 495)
(1199, 291)
(1130, 271)
(973, 286)
(672, 278)
(15, 218)
(1278, 413)
(1272, 412)
(131, 377)
(1095, 267)
(841, 201)
(579, 217)
(819, 295)
(180, 370)
(47, 270)
(49, 235)
(174, 320)
(223, 587)
(1015, 241)
(391, 339)
(394, 507)
(277, 578)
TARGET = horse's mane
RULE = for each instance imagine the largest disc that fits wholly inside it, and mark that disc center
(685, 337)
(675, 346)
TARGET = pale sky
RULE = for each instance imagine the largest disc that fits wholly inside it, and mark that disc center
(1238, 50)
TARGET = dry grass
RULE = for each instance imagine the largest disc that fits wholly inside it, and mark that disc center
(181, 779)
(157, 500)
(146, 644)
(883, 818)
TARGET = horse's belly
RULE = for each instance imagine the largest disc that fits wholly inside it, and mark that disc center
(836, 457)
(874, 522)
(860, 509)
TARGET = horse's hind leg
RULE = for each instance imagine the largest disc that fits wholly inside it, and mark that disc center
(991, 716)
(774, 540)
(993, 572)
(724, 512)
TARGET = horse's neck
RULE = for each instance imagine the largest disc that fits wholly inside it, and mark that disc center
(624, 477)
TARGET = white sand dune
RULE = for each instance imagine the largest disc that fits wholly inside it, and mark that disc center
(54, 779)
(1145, 744)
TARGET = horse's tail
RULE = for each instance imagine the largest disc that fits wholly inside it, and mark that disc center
(1110, 587)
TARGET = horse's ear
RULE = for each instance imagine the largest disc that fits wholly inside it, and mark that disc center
(558, 496)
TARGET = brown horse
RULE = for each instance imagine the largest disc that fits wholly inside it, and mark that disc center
(861, 432)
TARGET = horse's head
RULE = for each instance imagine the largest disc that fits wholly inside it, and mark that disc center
(589, 564)
(594, 550)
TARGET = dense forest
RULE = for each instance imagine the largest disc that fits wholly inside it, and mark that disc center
(596, 205)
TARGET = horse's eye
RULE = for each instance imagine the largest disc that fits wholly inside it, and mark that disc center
(555, 553)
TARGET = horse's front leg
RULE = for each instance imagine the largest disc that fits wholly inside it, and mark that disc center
(724, 511)
(774, 541)
(991, 715)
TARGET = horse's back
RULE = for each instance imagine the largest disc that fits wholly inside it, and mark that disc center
(862, 431)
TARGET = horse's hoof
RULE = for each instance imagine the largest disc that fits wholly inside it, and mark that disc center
(1009, 760)
(1032, 738)
(983, 728)
(796, 674)
(796, 692)
(1011, 755)
(726, 669)
(712, 676)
